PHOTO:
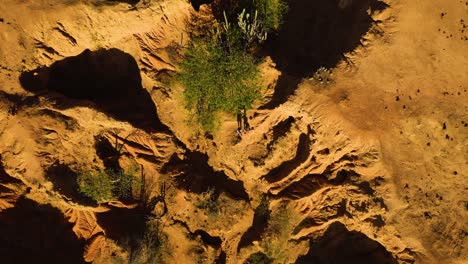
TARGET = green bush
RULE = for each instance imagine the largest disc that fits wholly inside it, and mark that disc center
(258, 258)
(271, 13)
(96, 185)
(125, 182)
(103, 186)
(218, 79)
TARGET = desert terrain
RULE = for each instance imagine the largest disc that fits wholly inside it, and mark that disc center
(363, 162)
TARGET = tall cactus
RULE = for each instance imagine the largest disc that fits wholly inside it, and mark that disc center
(251, 28)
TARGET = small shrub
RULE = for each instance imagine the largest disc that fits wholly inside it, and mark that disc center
(258, 258)
(280, 227)
(220, 73)
(103, 186)
(96, 185)
(322, 76)
(208, 202)
(148, 247)
(125, 182)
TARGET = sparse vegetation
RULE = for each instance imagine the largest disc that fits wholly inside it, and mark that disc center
(149, 246)
(125, 182)
(208, 202)
(280, 227)
(258, 258)
(251, 29)
(322, 76)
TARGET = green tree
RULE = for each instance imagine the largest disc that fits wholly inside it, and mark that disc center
(216, 78)
(271, 13)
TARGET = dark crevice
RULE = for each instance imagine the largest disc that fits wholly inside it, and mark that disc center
(109, 78)
(36, 233)
(311, 183)
(378, 6)
(366, 188)
(221, 258)
(65, 182)
(319, 33)
(259, 225)
(302, 153)
(18, 102)
(305, 187)
(338, 245)
(284, 88)
(343, 176)
(197, 3)
(280, 130)
(194, 174)
(213, 241)
(376, 221)
(107, 153)
(123, 225)
(316, 34)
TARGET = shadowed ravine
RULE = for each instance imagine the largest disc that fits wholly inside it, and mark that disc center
(316, 34)
(108, 78)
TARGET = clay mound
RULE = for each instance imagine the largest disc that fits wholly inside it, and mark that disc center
(87, 229)
(10, 189)
(85, 223)
(161, 46)
(94, 248)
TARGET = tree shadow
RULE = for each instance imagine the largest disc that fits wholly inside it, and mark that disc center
(109, 78)
(196, 175)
